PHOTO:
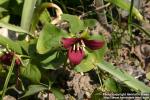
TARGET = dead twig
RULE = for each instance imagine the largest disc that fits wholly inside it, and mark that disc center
(97, 9)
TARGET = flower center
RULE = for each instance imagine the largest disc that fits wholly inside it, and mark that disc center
(79, 46)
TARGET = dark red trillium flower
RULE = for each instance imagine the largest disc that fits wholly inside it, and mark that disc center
(7, 59)
(75, 47)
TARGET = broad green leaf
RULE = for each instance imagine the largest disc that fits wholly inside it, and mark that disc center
(76, 25)
(58, 94)
(96, 37)
(86, 64)
(40, 58)
(25, 62)
(89, 23)
(12, 27)
(3, 1)
(3, 9)
(124, 77)
(56, 63)
(32, 89)
(111, 85)
(49, 38)
(32, 50)
(45, 17)
(27, 13)
(99, 54)
(50, 58)
(97, 95)
(31, 72)
(5, 19)
(10, 44)
(40, 14)
(126, 6)
(19, 1)
(35, 19)
(24, 45)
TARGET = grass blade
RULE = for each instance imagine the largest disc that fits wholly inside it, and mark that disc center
(124, 76)
(126, 6)
(12, 27)
(27, 13)
(8, 43)
(141, 29)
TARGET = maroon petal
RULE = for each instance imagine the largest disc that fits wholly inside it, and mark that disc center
(7, 58)
(17, 61)
(75, 57)
(94, 44)
(67, 42)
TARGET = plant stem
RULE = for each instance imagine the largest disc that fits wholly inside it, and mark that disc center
(17, 72)
(8, 77)
(130, 21)
(97, 72)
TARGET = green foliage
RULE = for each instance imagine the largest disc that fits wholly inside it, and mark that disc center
(76, 25)
(124, 77)
(50, 58)
(12, 27)
(43, 53)
(89, 22)
(5, 19)
(31, 72)
(32, 89)
(146, 32)
(126, 6)
(57, 62)
(49, 38)
(111, 85)
(10, 44)
(27, 13)
(3, 1)
(41, 14)
(92, 56)
(8, 77)
(97, 95)
(58, 94)
(45, 17)
(87, 64)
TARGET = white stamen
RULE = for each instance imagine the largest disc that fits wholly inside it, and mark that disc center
(82, 73)
(78, 46)
(83, 48)
(74, 47)
(82, 42)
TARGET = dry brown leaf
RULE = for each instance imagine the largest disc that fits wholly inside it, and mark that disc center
(143, 53)
(8, 97)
